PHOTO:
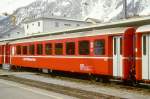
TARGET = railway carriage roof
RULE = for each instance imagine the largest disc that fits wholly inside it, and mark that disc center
(119, 30)
(144, 28)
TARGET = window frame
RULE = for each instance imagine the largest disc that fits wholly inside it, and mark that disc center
(121, 43)
(16, 52)
(57, 24)
(114, 46)
(55, 48)
(22, 48)
(32, 44)
(144, 47)
(74, 48)
(52, 48)
(78, 49)
(67, 24)
(100, 39)
(36, 52)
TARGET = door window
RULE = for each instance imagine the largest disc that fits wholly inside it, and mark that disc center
(144, 45)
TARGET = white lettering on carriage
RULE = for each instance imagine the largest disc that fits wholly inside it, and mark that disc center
(29, 59)
(85, 68)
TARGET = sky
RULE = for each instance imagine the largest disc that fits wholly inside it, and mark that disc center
(11, 5)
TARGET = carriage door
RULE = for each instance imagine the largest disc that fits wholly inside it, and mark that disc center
(6, 64)
(146, 57)
(117, 56)
(7, 53)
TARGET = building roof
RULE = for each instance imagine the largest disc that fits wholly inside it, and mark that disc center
(144, 28)
(108, 31)
(53, 17)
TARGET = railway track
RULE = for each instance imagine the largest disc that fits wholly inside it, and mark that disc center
(78, 93)
(86, 79)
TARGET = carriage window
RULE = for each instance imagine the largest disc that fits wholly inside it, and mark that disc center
(84, 47)
(31, 49)
(114, 46)
(70, 48)
(59, 49)
(144, 45)
(99, 47)
(48, 49)
(25, 50)
(18, 50)
(39, 49)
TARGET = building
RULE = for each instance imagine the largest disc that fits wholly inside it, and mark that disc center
(43, 25)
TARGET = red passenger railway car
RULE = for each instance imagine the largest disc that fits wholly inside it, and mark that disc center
(104, 52)
(121, 52)
(142, 51)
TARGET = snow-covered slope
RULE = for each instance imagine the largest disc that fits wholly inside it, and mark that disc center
(146, 8)
(107, 10)
(104, 10)
(64, 8)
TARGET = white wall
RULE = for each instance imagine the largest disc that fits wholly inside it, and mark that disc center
(33, 27)
(49, 25)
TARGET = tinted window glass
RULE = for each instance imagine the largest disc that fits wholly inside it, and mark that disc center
(70, 48)
(114, 46)
(25, 50)
(31, 49)
(59, 49)
(84, 47)
(39, 49)
(18, 50)
(99, 47)
(48, 49)
(144, 45)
